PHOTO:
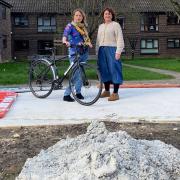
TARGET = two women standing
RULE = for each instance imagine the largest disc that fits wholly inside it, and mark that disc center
(109, 47)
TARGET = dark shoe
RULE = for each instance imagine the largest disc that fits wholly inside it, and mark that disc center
(79, 96)
(68, 98)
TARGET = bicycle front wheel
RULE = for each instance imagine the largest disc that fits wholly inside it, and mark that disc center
(41, 78)
(86, 80)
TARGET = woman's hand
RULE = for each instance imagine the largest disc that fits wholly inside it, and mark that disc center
(117, 56)
(80, 43)
(90, 45)
(66, 43)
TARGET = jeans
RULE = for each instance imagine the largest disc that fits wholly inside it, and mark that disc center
(76, 78)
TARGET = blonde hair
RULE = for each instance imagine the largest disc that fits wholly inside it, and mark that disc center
(83, 15)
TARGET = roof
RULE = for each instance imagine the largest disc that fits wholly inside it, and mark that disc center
(5, 3)
(38, 6)
(64, 6)
(154, 5)
(143, 5)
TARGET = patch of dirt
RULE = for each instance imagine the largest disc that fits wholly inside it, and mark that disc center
(18, 144)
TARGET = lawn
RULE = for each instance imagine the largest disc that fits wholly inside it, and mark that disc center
(159, 63)
(17, 73)
(13, 73)
(140, 74)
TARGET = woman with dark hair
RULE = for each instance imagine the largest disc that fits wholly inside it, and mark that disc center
(75, 33)
(109, 46)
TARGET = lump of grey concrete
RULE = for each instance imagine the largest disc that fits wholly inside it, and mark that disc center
(103, 155)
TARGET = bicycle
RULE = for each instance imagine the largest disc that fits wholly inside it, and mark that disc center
(44, 78)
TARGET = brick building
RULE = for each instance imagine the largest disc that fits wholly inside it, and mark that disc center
(5, 31)
(151, 28)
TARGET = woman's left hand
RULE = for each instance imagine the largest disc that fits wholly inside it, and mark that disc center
(117, 56)
(90, 45)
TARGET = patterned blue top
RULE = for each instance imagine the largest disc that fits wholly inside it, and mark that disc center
(73, 37)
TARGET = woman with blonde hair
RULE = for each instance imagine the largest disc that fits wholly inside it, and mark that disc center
(75, 33)
(109, 46)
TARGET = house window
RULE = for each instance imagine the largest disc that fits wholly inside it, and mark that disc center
(149, 23)
(173, 43)
(4, 41)
(46, 24)
(21, 45)
(149, 46)
(173, 19)
(21, 21)
(121, 21)
(42, 46)
(3, 12)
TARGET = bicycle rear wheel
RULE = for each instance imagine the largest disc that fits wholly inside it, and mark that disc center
(41, 78)
(86, 80)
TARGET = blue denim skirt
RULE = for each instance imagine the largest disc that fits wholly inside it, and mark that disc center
(110, 68)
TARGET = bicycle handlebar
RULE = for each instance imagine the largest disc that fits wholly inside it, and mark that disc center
(72, 46)
(53, 49)
(78, 46)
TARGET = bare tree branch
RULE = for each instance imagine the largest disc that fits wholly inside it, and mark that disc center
(92, 8)
(176, 6)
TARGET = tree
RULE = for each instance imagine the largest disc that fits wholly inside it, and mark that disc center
(133, 42)
(176, 6)
(92, 8)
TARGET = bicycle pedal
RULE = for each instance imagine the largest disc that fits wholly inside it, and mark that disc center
(57, 87)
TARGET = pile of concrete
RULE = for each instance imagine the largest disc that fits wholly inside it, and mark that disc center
(103, 155)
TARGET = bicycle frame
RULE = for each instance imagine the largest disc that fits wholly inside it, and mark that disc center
(67, 71)
(57, 82)
(57, 79)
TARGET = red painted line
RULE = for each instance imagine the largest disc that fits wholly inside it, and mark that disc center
(6, 100)
(147, 85)
(150, 85)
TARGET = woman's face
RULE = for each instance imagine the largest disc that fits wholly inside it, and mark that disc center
(78, 17)
(107, 16)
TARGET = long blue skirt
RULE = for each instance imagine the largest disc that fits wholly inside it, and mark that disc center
(110, 68)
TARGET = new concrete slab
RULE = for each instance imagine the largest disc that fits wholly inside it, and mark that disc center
(135, 104)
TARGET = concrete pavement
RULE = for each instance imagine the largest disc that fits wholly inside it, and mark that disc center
(135, 104)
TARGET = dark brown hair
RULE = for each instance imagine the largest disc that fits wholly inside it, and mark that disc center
(111, 11)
